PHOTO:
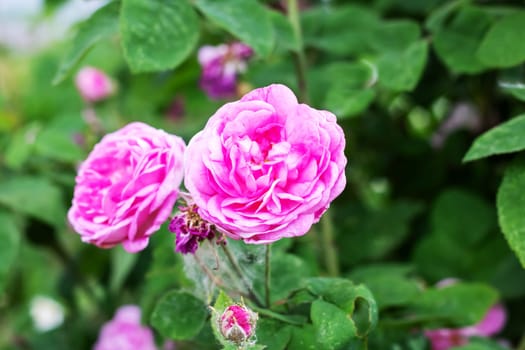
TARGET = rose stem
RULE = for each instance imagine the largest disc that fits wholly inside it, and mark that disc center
(267, 273)
(216, 280)
(329, 251)
(240, 274)
(300, 59)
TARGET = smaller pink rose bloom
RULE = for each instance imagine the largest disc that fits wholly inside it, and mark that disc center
(93, 84)
(125, 332)
(237, 324)
(446, 338)
(266, 167)
(127, 187)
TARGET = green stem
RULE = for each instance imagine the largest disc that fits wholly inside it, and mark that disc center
(299, 56)
(267, 274)
(240, 274)
(329, 250)
(296, 320)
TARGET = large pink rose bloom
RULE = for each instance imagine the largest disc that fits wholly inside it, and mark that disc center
(266, 167)
(125, 332)
(127, 187)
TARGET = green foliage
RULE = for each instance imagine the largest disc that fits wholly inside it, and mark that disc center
(510, 214)
(100, 25)
(247, 20)
(11, 236)
(179, 315)
(504, 138)
(157, 35)
(503, 46)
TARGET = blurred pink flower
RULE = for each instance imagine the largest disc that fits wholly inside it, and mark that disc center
(237, 323)
(446, 338)
(266, 167)
(127, 187)
(124, 332)
(220, 66)
(93, 84)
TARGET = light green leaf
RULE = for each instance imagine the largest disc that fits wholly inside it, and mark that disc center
(179, 315)
(394, 35)
(274, 334)
(246, 19)
(34, 196)
(10, 236)
(504, 138)
(510, 202)
(456, 43)
(21, 145)
(102, 24)
(157, 35)
(332, 326)
(401, 71)
(503, 45)
(121, 264)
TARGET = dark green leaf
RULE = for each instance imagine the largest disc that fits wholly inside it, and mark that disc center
(34, 196)
(273, 334)
(394, 35)
(246, 19)
(401, 71)
(303, 338)
(504, 138)
(456, 43)
(179, 315)
(10, 237)
(510, 201)
(332, 326)
(156, 34)
(503, 45)
(102, 24)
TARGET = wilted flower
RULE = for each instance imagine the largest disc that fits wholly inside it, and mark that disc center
(220, 66)
(47, 314)
(189, 229)
(127, 187)
(237, 323)
(266, 167)
(93, 84)
(125, 332)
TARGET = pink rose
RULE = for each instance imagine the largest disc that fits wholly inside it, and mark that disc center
(237, 323)
(124, 331)
(127, 187)
(266, 167)
(93, 84)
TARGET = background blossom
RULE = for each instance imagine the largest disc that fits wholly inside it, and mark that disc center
(266, 167)
(93, 84)
(127, 187)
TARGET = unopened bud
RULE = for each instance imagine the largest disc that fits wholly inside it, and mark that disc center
(237, 323)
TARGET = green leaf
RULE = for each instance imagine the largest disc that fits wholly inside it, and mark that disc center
(284, 35)
(10, 236)
(504, 138)
(394, 35)
(460, 304)
(156, 34)
(21, 145)
(348, 297)
(510, 201)
(503, 45)
(332, 326)
(274, 334)
(303, 338)
(122, 263)
(516, 89)
(221, 303)
(456, 43)
(102, 24)
(246, 19)
(179, 315)
(34, 196)
(401, 71)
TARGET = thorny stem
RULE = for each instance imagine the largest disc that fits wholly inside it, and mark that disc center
(329, 250)
(267, 274)
(300, 58)
(240, 274)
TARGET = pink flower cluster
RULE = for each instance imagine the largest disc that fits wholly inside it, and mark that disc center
(264, 168)
(220, 66)
(93, 84)
(125, 331)
(127, 187)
